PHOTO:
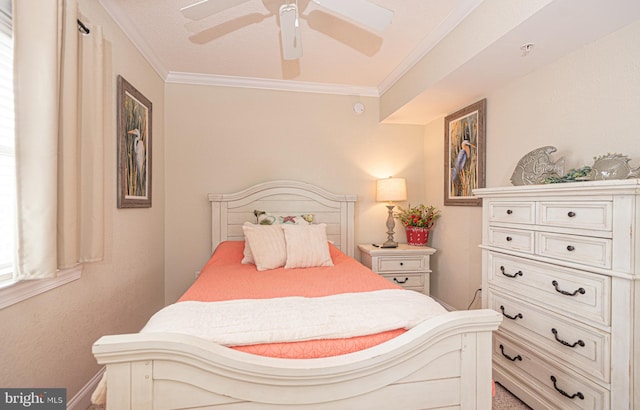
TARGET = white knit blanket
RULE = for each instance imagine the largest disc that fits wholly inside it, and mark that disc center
(287, 319)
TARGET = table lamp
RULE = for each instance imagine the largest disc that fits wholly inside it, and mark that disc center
(390, 190)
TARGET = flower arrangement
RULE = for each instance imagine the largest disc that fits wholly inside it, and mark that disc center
(420, 216)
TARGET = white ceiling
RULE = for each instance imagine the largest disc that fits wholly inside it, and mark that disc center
(241, 46)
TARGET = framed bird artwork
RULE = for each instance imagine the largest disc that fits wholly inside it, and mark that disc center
(464, 154)
(134, 147)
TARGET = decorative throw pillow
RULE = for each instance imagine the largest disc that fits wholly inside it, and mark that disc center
(307, 246)
(304, 219)
(247, 257)
(266, 245)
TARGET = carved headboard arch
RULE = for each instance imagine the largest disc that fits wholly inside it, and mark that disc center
(284, 197)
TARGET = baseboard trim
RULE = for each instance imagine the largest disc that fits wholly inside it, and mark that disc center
(82, 399)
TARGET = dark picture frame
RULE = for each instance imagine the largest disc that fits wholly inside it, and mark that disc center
(464, 154)
(134, 147)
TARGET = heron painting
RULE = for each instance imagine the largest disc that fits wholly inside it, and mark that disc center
(464, 154)
(134, 147)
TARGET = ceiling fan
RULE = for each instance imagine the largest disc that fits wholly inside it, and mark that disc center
(362, 12)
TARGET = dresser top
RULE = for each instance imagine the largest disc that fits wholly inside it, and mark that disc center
(612, 187)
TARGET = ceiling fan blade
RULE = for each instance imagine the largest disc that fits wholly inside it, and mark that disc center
(361, 12)
(205, 8)
(290, 32)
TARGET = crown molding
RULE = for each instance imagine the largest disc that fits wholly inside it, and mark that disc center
(123, 21)
(279, 85)
(451, 22)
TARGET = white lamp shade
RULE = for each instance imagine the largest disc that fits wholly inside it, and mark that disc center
(391, 189)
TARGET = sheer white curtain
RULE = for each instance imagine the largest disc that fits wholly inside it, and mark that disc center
(51, 138)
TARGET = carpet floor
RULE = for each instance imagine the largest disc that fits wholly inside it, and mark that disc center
(504, 400)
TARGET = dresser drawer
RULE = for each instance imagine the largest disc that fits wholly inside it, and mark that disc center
(402, 264)
(584, 250)
(513, 212)
(556, 386)
(582, 294)
(581, 215)
(572, 343)
(512, 239)
(407, 280)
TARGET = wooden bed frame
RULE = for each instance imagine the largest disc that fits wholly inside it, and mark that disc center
(444, 363)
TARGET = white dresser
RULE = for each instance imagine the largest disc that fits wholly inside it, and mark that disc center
(561, 262)
(407, 266)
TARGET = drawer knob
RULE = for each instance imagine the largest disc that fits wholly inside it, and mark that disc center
(509, 211)
(516, 317)
(509, 239)
(400, 281)
(401, 263)
(571, 248)
(555, 334)
(513, 359)
(564, 292)
(518, 273)
(564, 393)
(571, 214)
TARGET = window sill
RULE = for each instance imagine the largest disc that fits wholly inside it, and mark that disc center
(24, 290)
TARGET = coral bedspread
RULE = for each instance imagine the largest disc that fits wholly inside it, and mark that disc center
(225, 278)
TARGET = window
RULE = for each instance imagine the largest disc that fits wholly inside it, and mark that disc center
(11, 291)
(7, 143)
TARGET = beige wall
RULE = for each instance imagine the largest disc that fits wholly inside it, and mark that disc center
(223, 139)
(46, 340)
(585, 104)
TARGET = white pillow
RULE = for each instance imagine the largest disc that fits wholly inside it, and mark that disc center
(307, 246)
(266, 245)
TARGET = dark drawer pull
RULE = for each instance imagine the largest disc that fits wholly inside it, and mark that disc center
(578, 343)
(564, 292)
(509, 239)
(516, 317)
(564, 393)
(571, 248)
(400, 281)
(509, 211)
(518, 273)
(571, 214)
(513, 359)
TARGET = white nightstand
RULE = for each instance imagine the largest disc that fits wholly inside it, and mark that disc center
(408, 266)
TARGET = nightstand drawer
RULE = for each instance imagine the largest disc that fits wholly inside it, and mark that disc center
(402, 264)
(513, 212)
(406, 280)
(512, 239)
(581, 215)
(585, 250)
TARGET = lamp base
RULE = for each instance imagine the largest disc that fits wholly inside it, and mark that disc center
(389, 244)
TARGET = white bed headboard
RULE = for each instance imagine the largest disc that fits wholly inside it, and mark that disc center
(282, 197)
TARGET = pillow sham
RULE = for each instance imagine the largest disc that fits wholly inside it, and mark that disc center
(307, 246)
(265, 244)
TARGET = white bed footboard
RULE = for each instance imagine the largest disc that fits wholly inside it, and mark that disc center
(444, 362)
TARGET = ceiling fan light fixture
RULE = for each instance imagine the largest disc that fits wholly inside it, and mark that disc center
(290, 32)
(361, 12)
